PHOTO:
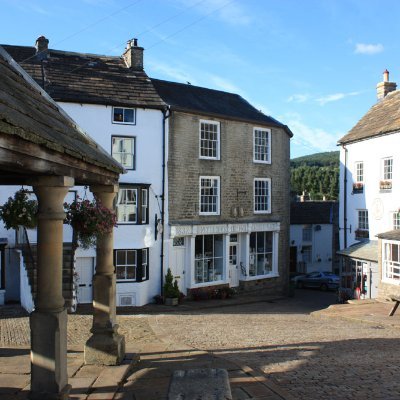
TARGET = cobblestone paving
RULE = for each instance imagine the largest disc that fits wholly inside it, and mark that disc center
(15, 331)
(310, 357)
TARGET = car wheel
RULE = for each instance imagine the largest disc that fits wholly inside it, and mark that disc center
(324, 287)
(300, 285)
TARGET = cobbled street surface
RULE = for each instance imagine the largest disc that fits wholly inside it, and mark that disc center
(307, 355)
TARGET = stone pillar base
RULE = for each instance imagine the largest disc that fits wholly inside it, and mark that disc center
(105, 348)
(49, 379)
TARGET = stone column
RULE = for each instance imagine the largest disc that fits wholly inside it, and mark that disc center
(106, 346)
(48, 322)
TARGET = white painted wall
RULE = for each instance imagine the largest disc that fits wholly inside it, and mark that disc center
(96, 120)
(380, 205)
(321, 243)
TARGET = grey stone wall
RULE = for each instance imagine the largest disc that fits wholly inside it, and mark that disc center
(236, 170)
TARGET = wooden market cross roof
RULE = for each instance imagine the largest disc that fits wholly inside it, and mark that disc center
(40, 138)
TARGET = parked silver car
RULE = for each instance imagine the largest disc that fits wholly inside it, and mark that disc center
(322, 280)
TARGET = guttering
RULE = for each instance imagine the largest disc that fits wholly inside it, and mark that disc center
(166, 115)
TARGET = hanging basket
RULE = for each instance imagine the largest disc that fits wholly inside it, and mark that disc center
(90, 220)
(19, 211)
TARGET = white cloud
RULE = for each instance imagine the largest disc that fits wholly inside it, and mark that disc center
(298, 98)
(314, 139)
(335, 97)
(173, 72)
(224, 84)
(369, 49)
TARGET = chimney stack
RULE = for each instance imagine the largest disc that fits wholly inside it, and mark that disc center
(133, 55)
(42, 47)
(385, 87)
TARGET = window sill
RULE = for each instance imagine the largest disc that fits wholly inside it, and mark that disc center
(123, 123)
(262, 162)
(262, 212)
(209, 158)
(206, 284)
(259, 277)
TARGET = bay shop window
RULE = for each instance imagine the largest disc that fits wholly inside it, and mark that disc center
(261, 254)
(209, 261)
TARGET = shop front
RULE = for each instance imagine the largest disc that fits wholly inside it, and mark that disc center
(223, 254)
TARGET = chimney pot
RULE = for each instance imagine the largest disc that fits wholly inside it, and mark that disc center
(42, 47)
(385, 87)
(385, 75)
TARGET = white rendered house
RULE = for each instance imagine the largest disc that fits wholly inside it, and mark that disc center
(114, 102)
(369, 196)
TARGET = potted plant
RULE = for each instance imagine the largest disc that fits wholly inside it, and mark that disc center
(358, 187)
(90, 220)
(385, 185)
(171, 289)
(19, 211)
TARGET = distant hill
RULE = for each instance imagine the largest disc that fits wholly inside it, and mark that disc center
(316, 174)
(330, 158)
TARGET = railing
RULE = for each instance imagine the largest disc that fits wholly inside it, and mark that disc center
(27, 281)
(22, 241)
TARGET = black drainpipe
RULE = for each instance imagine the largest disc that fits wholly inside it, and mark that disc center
(166, 114)
(345, 198)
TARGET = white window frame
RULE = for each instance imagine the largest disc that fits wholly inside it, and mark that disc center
(257, 197)
(260, 149)
(363, 220)
(387, 168)
(306, 234)
(126, 265)
(395, 219)
(253, 256)
(359, 171)
(120, 155)
(127, 204)
(201, 196)
(390, 268)
(145, 204)
(123, 122)
(217, 141)
(202, 272)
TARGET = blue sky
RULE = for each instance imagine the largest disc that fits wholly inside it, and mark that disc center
(312, 64)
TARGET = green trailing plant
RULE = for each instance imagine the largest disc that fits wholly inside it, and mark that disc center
(171, 289)
(19, 211)
(90, 220)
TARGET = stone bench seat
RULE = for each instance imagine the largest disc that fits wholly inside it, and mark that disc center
(200, 384)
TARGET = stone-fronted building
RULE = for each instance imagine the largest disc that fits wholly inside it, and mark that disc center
(228, 197)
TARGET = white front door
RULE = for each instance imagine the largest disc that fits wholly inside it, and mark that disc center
(84, 267)
(233, 265)
(177, 262)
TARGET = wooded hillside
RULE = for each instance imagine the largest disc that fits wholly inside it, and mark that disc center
(316, 174)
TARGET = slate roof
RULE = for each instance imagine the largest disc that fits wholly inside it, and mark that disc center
(366, 250)
(381, 119)
(186, 97)
(26, 111)
(88, 78)
(391, 235)
(313, 212)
